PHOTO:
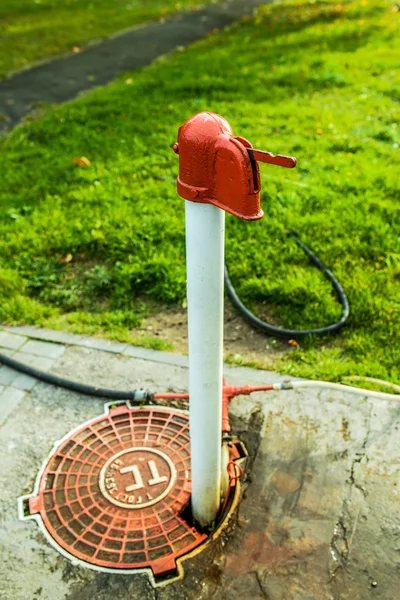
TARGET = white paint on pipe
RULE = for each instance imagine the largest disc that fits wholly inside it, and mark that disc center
(205, 237)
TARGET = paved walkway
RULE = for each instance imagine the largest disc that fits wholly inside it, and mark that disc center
(60, 80)
(320, 514)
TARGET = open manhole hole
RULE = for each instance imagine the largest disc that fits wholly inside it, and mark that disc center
(112, 494)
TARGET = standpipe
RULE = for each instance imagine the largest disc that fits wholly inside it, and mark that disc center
(218, 173)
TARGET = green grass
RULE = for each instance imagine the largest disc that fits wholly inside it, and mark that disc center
(31, 30)
(318, 80)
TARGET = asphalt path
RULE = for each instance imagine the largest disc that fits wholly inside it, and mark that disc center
(64, 78)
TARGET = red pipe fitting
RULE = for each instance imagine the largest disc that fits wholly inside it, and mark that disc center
(229, 392)
(217, 168)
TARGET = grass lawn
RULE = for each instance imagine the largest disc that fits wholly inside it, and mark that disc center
(95, 248)
(31, 30)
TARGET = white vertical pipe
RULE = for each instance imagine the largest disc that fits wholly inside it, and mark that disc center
(205, 237)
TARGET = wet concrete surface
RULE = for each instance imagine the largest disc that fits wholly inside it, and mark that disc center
(320, 514)
(319, 517)
(60, 80)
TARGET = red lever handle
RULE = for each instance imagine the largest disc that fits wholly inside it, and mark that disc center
(273, 159)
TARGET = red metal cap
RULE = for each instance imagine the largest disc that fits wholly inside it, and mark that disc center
(217, 168)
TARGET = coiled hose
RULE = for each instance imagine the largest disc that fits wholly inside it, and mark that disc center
(293, 333)
(139, 396)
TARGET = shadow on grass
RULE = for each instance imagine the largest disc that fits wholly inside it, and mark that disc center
(293, 19)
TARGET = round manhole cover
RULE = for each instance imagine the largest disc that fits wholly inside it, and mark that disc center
(112, 491)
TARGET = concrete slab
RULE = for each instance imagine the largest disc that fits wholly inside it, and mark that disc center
(9, 400)
(24, 382)
(37, 362)
(44, 349)
(10, 341)
(318, 520)
(100, 344)
(168, 358)
(50, 335)
(105, 345)
(7, 375)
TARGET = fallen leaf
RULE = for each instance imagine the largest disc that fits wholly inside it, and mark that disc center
(294, 343)
(76, 49)
(82, 161)
(128, 81)
(66, 259)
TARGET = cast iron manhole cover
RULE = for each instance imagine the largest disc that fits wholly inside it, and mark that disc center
(112, 491)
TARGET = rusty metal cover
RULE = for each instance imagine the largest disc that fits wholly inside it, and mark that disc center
(112, 491)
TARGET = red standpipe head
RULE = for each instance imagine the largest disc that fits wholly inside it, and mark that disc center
(217, 168)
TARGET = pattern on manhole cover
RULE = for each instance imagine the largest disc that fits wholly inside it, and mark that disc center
(111, 492)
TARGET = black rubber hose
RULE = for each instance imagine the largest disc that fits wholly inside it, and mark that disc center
(136, 396)
(293, 333)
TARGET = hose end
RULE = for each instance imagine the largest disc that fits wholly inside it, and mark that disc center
(142, 396)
